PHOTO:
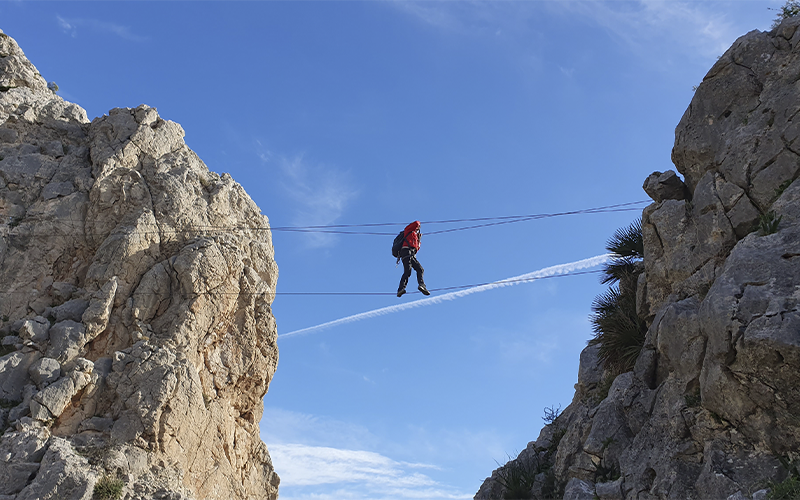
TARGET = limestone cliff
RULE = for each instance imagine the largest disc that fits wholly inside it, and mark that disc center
(135, 292)
(711, 409)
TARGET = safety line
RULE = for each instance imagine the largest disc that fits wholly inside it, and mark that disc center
(339, 228)
(460, 287)
(442, 289)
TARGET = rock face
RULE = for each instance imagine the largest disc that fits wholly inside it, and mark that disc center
(135, 293)
(711, 409)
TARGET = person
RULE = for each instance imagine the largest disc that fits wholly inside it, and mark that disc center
(408, 254)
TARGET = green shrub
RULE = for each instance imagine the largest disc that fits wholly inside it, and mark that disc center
(551, 413)
(8, 403)
(558, 435)
(604, 474)
(517, 476)
(108, 488)
(768, 224)
(618, 330)
(692, 400)
(783, 187)
(6, 349)
(601, 391)
(627, 249)
(788, 489)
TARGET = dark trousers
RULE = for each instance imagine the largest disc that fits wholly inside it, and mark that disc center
(408, 255)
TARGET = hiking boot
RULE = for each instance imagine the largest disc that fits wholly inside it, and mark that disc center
(400, 292)
(422, 289)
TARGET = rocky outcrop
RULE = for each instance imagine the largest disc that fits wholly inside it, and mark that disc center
(135, 293)
(710, 409)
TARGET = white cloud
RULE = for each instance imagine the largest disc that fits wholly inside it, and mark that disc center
(320, 193)
(285, 426)
(306, 465)
(436, 14)
(70, 27)
(321, 458)
(280, 426)
(655, 30)
(691, 27)
(310, 471)
(568, 72)
(492, 18)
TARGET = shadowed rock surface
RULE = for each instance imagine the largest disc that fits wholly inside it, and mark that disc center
(135, 294)
(711, 409)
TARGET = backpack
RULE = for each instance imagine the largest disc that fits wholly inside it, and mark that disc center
(397, 244)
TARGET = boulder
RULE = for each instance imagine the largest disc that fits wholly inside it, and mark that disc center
(44, 371)
(665, 186)
(590, 369)
(56, 189)
(611, 490)
(50, 402)
(11, 340)
(96, 315)
(14, 373)
(15, 476)
(35, 330)
(67, 338)
(578, 489)
(72, 310)
(64, 475)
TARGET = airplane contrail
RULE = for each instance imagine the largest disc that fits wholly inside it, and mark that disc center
(516, 280)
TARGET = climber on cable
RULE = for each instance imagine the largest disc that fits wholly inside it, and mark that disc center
(408, 251)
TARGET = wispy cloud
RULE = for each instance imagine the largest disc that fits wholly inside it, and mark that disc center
(691, 27)
(323, 458)
(470, 17)
(434, 13)
(284, 426)
(362, 475)
(516, 280)
(320, 192)
(70, 26)
(652, 29)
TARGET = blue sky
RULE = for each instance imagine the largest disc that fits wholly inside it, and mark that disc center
(394, 111)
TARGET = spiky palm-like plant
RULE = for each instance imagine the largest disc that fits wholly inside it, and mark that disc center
(518, 476)
(618, 330)
(627, 249)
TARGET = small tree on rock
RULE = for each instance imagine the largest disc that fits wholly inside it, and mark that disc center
(790, 9)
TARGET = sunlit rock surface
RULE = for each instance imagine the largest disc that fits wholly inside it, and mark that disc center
(135, 293)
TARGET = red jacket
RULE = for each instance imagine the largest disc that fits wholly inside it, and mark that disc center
(412, 236)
